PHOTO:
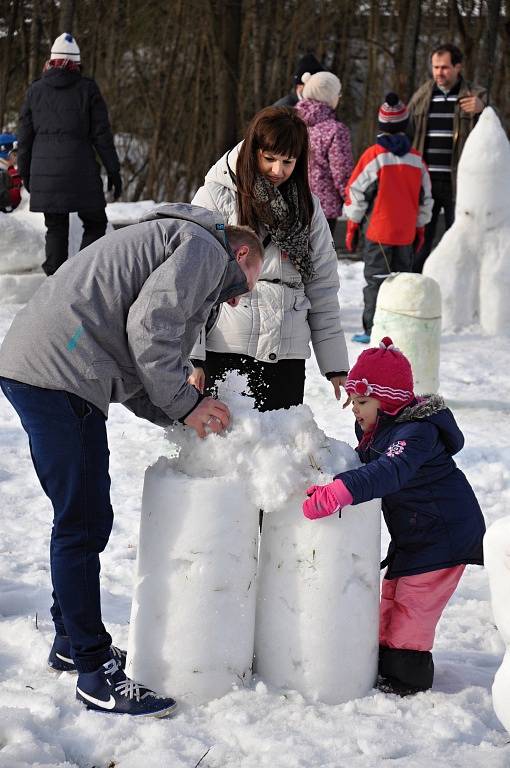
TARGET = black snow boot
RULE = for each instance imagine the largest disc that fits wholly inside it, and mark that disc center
(404, 671)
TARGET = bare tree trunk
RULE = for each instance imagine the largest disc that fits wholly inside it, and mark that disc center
(227, 35)
(6, 61)
(67, 10)
(34, 62)
(409, 14)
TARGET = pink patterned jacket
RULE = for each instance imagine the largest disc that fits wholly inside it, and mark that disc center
(331, 154)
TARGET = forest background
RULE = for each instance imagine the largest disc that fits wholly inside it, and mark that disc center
(181, 78)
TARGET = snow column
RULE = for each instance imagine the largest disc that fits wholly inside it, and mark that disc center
(318, 602)
(194, 615)
(496, 548)
(409, 312)
(193, 610)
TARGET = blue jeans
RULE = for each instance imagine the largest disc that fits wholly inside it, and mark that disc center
(69, 449)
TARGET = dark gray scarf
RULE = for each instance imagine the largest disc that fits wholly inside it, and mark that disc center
(278, 210)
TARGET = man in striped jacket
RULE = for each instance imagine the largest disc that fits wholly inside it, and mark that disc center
(390, 186)
(443, 112)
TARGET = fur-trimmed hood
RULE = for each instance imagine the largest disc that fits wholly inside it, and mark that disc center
(426, 405)
(434, 409)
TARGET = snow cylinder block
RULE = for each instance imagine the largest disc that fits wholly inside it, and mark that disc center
(193, 610)
(193, 617)
(409, 312)
(317, 617)
(496, 549)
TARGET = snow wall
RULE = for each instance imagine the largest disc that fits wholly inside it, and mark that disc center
(496, 548)
(195, 616)
(472, 261)
(408, 310)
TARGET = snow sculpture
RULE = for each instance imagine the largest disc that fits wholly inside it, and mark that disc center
(192, 625)
(496, 547)
(472, 261)
(21, 256)
(409, 312)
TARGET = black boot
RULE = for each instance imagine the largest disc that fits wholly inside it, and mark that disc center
(405, 672)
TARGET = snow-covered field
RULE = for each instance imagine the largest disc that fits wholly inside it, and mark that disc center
(451, 726)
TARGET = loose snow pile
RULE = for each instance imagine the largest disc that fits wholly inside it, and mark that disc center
(312, 609)
(472, 261)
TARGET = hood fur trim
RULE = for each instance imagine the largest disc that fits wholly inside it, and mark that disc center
(426, 406)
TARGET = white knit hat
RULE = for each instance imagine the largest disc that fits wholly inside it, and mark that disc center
(323, 86)
(65, 47)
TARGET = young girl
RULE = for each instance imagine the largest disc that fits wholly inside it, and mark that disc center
(435, 522)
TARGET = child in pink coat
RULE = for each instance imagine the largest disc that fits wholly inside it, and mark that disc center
(330, 164)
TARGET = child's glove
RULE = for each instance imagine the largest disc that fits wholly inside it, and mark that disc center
(419, 239)
(325, 500)
(352, 235)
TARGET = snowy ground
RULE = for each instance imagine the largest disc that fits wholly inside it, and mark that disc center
(41, 724)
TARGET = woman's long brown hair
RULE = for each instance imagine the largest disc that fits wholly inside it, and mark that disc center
(278, 130)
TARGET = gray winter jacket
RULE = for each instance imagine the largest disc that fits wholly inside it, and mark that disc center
(117, 322)
(280, 317)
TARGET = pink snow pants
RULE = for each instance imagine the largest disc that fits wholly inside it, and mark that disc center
(411, 607)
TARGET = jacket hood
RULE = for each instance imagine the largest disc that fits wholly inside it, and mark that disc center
(313, 112)
(223, 172)
(433, 408)
(235, 282)
(397, 143)
(60, 78)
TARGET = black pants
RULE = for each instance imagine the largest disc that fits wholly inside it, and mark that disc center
(57, 235)
(272, 385)
(399, 258)
(442, 193)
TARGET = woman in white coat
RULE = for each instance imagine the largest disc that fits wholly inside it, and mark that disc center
(263, 183)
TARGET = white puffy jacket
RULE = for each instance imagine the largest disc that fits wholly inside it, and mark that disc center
(280, 317)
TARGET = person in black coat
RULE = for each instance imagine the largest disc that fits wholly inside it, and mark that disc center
(435, 522)
(63, 123)
(307, 63)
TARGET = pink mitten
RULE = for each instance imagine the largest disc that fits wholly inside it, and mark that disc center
(324, 500)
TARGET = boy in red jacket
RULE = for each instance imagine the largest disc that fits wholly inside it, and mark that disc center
(390, 186)
(10, 180)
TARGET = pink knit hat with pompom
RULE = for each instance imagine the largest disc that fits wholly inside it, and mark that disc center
(385, 373)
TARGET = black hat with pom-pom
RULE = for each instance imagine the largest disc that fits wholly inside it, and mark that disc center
(393, 115)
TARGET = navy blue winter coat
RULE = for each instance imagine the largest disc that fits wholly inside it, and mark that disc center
(429, 507)
(63, 123)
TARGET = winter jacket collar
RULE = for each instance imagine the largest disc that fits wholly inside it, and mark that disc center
(224, 171)
(60, 78)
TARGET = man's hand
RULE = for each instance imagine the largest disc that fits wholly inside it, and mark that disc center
(338, 381)
(471, 104)
(210, 415)
(352, 235)
(197, 379)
